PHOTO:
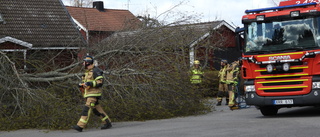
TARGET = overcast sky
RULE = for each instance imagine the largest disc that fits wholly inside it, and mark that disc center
(207, 10)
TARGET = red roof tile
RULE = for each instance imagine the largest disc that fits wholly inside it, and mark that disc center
(109, 20)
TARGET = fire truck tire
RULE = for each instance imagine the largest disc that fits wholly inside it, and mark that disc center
(269, 110)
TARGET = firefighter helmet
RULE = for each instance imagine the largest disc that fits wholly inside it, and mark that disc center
(89, 59)
(224, 61)
(196, 62)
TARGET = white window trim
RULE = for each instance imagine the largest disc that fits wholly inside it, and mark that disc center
(24, 51)
(29, 46)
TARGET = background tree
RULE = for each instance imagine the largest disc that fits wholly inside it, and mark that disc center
(148, 22)
(81, 3)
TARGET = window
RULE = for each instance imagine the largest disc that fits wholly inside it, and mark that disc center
(284, 36)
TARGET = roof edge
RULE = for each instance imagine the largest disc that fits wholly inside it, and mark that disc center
(223, 22)
(16, 41)
(227, 25)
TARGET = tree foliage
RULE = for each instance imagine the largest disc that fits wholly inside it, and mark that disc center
(81, 3)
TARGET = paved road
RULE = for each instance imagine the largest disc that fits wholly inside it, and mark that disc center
(294, 122)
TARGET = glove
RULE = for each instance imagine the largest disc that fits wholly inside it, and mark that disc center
(81, 88)
(89, 84)
(80, 85)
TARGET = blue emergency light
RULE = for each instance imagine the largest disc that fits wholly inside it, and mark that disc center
(280, 7)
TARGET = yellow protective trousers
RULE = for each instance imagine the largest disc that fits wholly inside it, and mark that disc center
(92, 105)
(231, 91)
(222, 91)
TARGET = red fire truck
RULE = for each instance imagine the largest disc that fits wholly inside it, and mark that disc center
(281, 55)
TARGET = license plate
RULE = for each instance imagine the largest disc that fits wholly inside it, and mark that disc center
(283, 102)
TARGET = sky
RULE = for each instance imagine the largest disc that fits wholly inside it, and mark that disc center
(203, 10)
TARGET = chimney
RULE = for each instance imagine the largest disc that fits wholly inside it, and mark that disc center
(98, 5)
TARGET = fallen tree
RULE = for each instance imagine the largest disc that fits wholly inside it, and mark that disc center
(146, 77)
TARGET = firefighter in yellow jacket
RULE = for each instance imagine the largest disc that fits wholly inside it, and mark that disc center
(92, 82)
(196, 73)
(232, 81)
(223, 87)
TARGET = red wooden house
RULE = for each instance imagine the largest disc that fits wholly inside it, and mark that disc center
(98, 23)
(214, 45)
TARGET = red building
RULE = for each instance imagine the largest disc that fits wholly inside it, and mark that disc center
(217, 42)
(98, 23)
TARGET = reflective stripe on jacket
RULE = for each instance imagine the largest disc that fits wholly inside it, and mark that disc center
(233, 73)
(196, 76)
(94, 75)
(222, 74)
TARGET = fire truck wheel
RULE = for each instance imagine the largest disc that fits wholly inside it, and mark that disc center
(268, 110)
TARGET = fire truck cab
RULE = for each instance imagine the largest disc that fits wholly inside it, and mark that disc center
(281, 55)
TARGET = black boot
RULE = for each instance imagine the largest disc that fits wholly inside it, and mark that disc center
(219, 103)
(107, 125)
(76, 127)
(234, 107)
(227, 101)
